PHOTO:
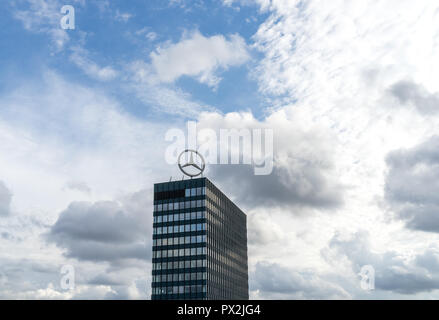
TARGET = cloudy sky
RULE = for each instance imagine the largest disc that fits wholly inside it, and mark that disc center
(350, 89)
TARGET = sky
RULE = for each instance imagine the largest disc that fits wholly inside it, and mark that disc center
(350, 89)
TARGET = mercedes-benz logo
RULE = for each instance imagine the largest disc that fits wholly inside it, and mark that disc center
(198, 166)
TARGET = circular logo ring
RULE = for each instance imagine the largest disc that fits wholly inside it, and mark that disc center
(191, 163)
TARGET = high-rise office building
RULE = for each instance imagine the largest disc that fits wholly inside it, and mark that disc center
(199, 243)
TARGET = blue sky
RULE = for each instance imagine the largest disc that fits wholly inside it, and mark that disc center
(349, 89)
(115, 33)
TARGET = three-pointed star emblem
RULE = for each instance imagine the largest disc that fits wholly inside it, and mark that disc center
(192, 163)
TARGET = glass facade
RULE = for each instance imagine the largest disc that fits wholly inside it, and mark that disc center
(199, 243)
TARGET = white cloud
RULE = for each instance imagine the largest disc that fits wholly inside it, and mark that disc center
(305, 172)
(404, 274)
(44, 16)
(187, 5)
(162, 97)
(80, 59)
(194, 56)
(123, 16)
(336, 73)
(198, 56)
(147, 33)
(315, 44)
(151, 36)
(78, 134)
(273, 281)
(78, 186)
(51, 292)
(262, 3)
(339, 63)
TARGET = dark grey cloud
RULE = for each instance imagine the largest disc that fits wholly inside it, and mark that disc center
(277, 282)
(20, 275)
(429, 259)
(102, 222)
(309, 187)
(106, 231)
(300, 151)
(38, 266)
(408, 92)
(412, 185)
(5, 200)
(30, 279)
(393, 272)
